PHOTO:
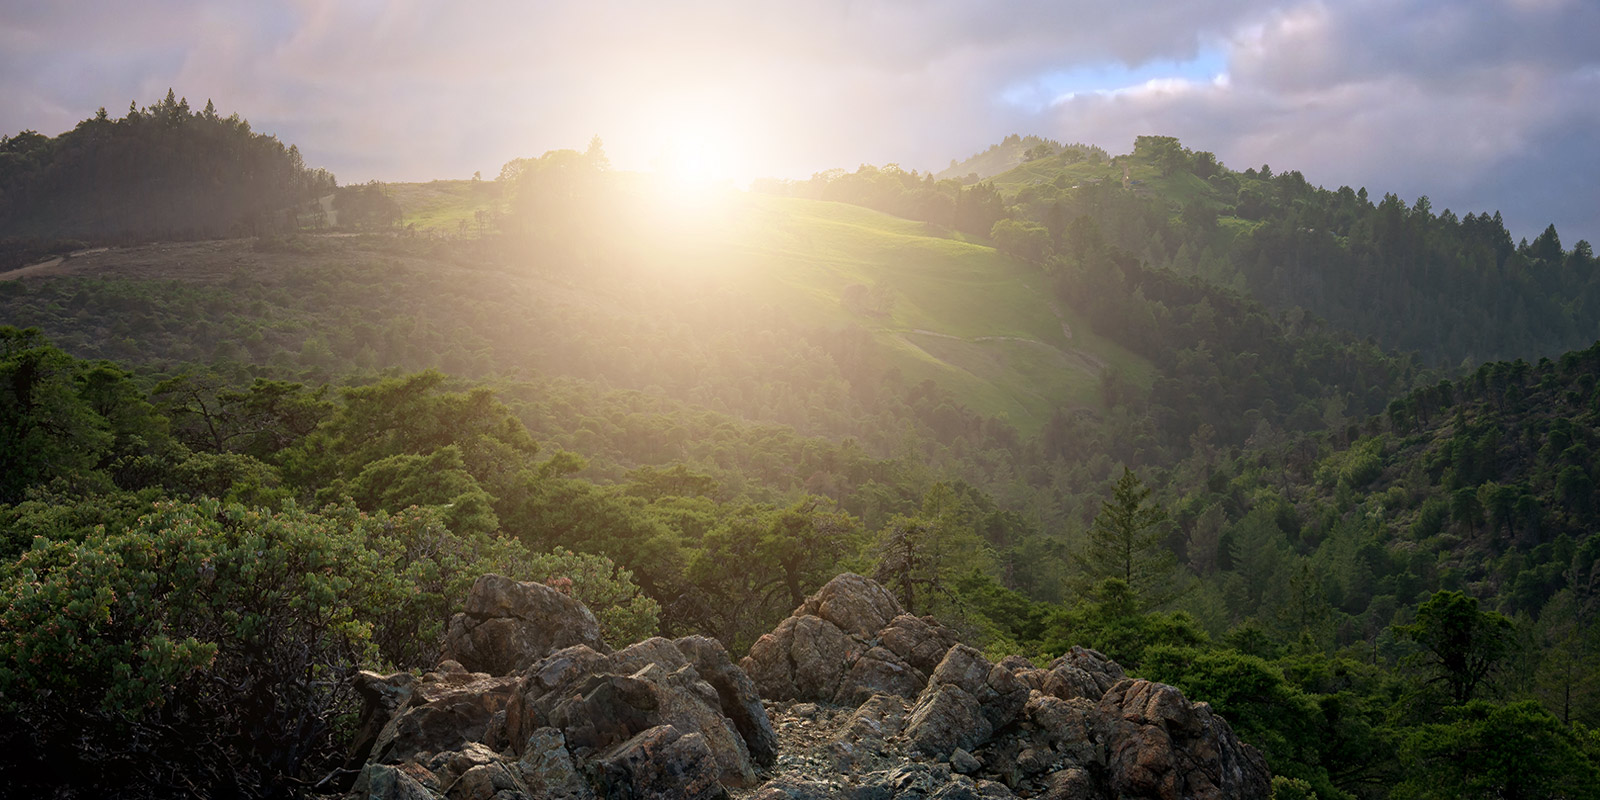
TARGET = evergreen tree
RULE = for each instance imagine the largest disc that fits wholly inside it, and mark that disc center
(1127, 542)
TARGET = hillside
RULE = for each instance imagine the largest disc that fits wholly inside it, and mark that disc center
(1012, 151)
(235, 473)
(977, 323)
(1452, 286)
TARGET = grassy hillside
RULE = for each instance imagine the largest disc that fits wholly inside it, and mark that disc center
(972, 320)
(444, 206)
(977, 323)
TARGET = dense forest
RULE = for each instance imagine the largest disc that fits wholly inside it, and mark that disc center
(1373, 569)
(163, 171)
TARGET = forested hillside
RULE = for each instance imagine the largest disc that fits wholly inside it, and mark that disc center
(1450, 286)
(163, 171)
(235, 464)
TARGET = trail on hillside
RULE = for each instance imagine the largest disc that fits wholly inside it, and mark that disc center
(1089, 361)
(50, 267)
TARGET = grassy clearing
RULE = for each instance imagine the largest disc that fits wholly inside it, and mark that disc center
(965, 316)
(442, 206)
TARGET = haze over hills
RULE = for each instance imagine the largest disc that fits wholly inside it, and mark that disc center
(1141, 403)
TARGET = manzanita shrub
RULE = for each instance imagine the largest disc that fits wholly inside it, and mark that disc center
(208, 648)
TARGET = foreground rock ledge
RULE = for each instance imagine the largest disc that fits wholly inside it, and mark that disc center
(870, 703)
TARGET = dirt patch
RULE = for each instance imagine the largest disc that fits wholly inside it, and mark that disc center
(51, 267)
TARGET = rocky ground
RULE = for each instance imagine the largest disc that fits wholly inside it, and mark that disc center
(849, 697)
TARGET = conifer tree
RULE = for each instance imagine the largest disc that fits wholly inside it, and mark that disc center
(1127, 542)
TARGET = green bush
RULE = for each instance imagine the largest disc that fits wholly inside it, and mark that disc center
(207, 648)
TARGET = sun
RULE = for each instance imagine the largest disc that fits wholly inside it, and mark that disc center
(699, 152)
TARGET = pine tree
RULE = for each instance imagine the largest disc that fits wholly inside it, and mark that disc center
(1127, 542)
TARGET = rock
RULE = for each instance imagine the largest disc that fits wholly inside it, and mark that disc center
(510, 624)
(944, 718)
(691, 705)
(383, 698)
(1159, 745)
(962, 761)
(544, 684)
(879, 671)
(846, 643)
(548, 769)
(1088, 672)
(736, 693)
(491, 781)
(1065, 727)
(919, 641)
(387, 782)
(997, 691)
(582, 694)
(654, 650)
(1015, 663)
(660, 763)
(853, 604)
(862, 737)
(804, 658)
(444, 712)
(794, 789)
(1069, 784)
(603, 711)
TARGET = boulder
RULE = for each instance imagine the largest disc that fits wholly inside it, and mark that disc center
(862, 738)
(846, 643)
(509, 624)
(494, 780)
(548, 769)
(1071, 783)
(443, 712)
(736, 693)
(599, 702)
(1065, 727)
(945, 718)
(383, 698)
(1081, 672)
(1160, 745)
(804, 658)
(853, 604)
(919, 641)
(878, 671)
(997, 691)
(388, 782)
(660, 763)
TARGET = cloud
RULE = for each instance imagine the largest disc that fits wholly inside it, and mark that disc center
(1460, 99)
(1477, 104)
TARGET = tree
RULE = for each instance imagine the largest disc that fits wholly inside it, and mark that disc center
(1463, 643)
(1028, 241)
(47, 430)
(1512, 752)
(1127, 542)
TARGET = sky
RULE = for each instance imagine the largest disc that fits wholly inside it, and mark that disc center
(1479, 104)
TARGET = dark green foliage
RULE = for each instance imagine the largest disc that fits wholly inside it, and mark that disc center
(1464, 644)
(1516, 752)
(48, 430)
(162, 171)
(1127, 542)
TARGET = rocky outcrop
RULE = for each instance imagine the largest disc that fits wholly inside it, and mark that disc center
(509, 624)
(1160, 745)
(844, 644)
(870, 703)
(573, 721)
(967, 699)
(1075, 729)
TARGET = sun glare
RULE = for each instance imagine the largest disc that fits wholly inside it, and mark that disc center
(697, 157)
